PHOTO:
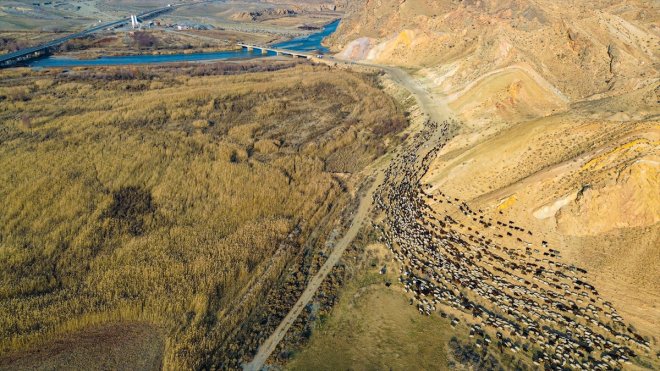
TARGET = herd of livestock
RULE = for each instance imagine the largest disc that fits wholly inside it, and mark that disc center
(504, 282)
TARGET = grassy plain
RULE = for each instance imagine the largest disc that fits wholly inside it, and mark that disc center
(159, 195)
(374, 327)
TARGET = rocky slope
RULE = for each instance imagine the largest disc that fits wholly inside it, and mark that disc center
(561, 129)
(264, 14)
(582, 48)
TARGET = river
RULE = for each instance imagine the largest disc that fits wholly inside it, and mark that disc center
(307, 43)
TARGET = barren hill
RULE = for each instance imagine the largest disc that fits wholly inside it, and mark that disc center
(581, 48)
(560, 121)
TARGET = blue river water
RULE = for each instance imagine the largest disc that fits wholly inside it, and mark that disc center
(307, 43)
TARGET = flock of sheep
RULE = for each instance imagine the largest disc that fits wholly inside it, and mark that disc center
(495, 273)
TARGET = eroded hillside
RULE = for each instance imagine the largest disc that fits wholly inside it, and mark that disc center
(580, 48)
(559, 123)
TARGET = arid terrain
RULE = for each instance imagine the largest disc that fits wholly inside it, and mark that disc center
(463, 185)
(557, 131)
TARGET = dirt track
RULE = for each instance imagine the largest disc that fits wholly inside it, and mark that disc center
(435, 111)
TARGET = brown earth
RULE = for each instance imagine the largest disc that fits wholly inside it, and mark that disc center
(116, 346)
(582, 49)
(560, 121)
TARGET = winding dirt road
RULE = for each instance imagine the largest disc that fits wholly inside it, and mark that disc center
(267, 348)
(435, 111)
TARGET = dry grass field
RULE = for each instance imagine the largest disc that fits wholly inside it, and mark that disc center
(163, 195)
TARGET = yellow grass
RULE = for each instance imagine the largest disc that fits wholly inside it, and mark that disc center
(140, 194)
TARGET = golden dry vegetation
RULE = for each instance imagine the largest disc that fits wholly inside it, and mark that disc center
(162, 194)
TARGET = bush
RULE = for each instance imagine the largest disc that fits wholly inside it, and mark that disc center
(144, 39)
(129, 207)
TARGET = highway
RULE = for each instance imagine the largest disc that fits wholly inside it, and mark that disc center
(10, 59)
(51, 44)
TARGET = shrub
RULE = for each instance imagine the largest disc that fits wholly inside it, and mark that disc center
(144, 39)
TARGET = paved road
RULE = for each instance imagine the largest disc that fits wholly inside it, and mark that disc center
(436, 111)
(59, 41)
(100, 27)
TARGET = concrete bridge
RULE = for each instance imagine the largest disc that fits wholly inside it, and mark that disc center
(266, 49)
(27, 54)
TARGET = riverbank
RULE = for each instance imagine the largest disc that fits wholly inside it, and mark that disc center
(309, 43)
(200, 27)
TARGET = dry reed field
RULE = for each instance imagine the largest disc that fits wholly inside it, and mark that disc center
(161, 195)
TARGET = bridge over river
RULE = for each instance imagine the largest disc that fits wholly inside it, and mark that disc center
(28, 54)
(307, 46)
(278, 51)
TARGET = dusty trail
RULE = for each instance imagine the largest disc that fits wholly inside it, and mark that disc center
(432, 106)
(267, 348)
(436, 112)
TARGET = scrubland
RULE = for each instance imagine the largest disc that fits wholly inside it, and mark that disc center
(163, 195)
